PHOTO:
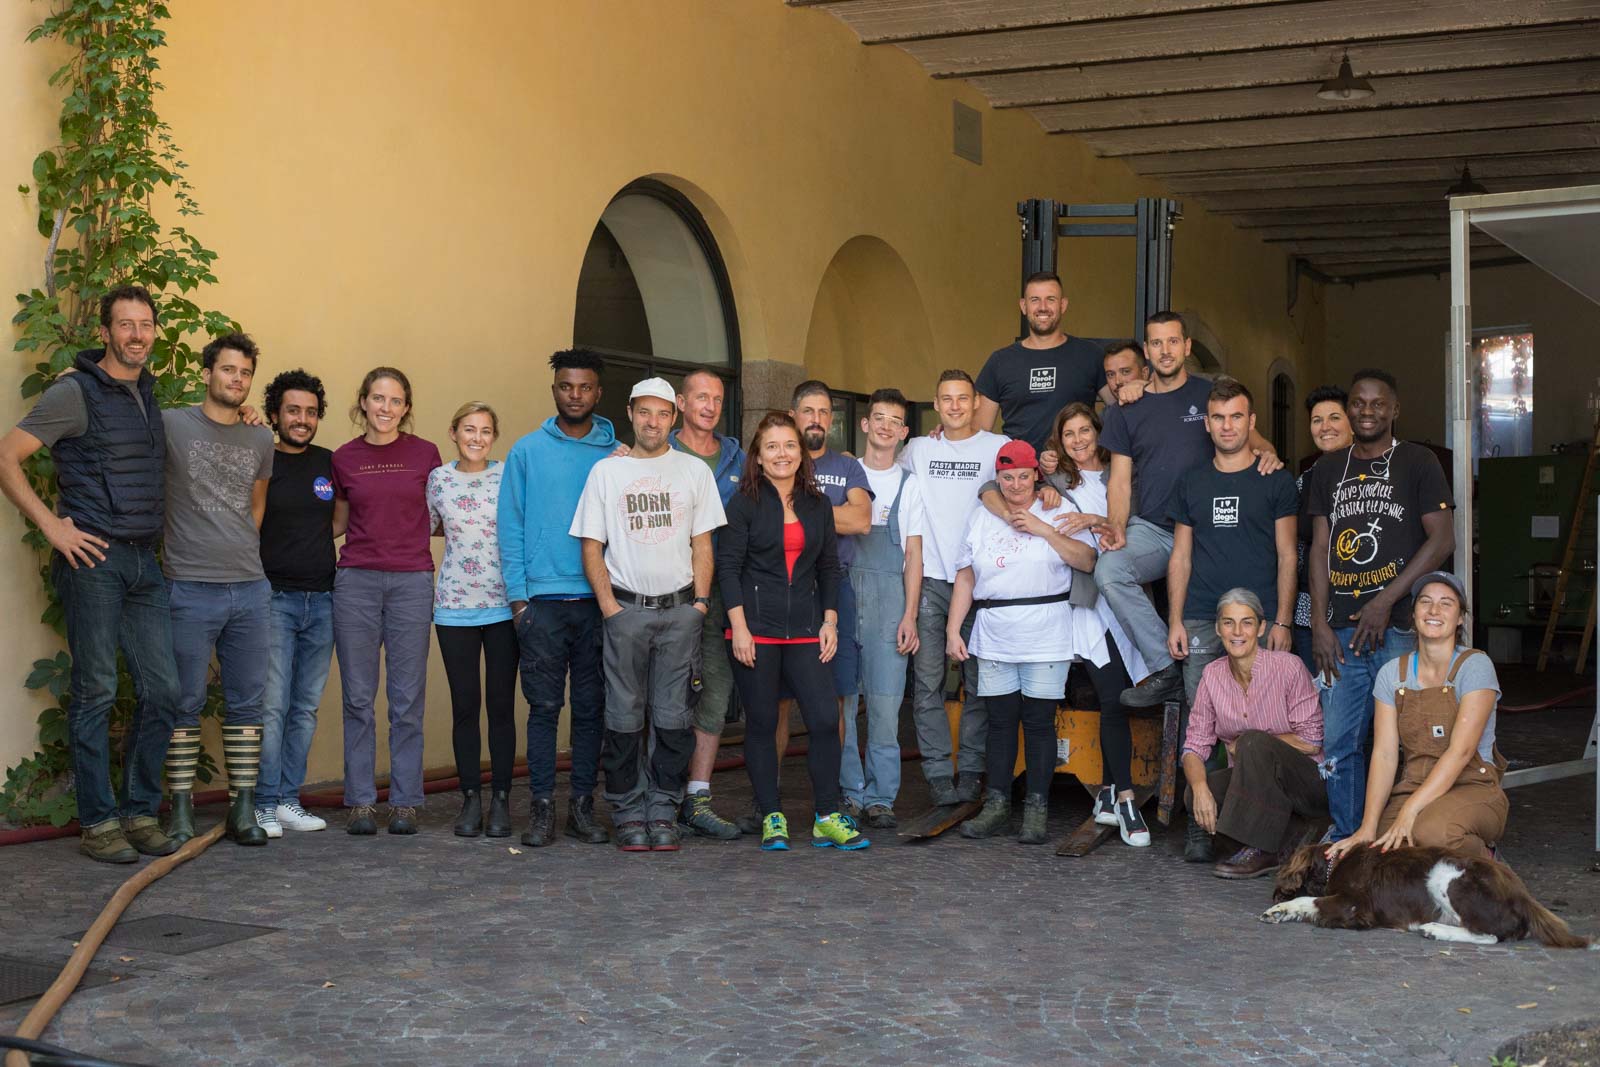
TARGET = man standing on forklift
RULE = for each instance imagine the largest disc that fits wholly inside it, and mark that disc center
(1031, 379)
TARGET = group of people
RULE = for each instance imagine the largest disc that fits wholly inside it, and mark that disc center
(644, 587)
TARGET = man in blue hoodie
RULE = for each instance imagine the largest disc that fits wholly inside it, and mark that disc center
(557, 621)
(700, 400)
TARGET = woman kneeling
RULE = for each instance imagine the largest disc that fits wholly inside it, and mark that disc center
(1262, 706)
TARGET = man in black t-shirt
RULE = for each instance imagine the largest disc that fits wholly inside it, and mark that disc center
(1380, 514)
(1030, 380)
(1231, 528)
(297, 554)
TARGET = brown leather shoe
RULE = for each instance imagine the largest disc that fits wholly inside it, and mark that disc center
(1247, 863)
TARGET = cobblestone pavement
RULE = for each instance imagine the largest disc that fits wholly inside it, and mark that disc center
(434, 950)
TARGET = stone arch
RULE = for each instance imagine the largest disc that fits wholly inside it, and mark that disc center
(1207, 355)
(869, 327)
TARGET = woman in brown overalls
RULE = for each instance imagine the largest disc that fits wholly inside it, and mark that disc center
(1441, 720)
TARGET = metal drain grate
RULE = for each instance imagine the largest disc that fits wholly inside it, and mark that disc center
(24, 979)
(178, 935)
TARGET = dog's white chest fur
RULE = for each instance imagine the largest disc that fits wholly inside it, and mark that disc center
(1440, 878)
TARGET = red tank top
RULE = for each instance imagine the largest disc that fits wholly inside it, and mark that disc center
(794, 543)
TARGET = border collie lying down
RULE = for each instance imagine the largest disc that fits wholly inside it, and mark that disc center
(1438, 893)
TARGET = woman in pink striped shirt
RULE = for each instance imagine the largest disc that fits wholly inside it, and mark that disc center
(1263, 708)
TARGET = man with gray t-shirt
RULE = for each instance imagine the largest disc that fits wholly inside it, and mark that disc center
(217, 472)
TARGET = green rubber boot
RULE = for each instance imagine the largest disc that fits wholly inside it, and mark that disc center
(1035, 813)
(241, 754)
(995, 816)
(183, 756)
(180, 820)
(242, 826)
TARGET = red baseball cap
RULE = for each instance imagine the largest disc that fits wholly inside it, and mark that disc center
(1015, 454)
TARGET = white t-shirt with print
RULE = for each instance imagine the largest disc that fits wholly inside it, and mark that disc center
(1010, 565)
(886, 488)
(949, 473)
(645, 511)
(1090, 495)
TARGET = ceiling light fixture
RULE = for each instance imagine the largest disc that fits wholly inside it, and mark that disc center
(1345, 85)
(1464, 185)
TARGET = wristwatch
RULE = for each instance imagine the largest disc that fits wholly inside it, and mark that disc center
(703, 601)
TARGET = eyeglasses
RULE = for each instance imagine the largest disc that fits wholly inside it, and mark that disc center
(891, 421)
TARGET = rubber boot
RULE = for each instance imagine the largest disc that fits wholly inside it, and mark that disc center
(183, 756)
(242, 826)
(470, 822)
(1035, 813)
(241, 755)
(499, 814)
(995, 816)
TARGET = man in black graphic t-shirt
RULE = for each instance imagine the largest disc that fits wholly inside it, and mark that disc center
(297, 554)
(1030, 380)
(1380, 513)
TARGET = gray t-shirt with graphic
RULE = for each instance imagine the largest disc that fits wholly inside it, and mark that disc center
(211, 535)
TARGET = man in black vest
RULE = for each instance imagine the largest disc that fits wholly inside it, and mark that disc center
(105, 435)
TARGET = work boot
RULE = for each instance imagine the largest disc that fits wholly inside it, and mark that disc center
(942, 791)
(970, 787)
(698, 817)
(1197, 844)
(1158, 688)
(881, 817)
(750, 822)
(850, 807)
(499, 824)
(633, 837)
(995, 816)
(402, 820)
(581, 822)
(105, 842)
(144, 834)
(541, 823)
(242, 828)
(470, 822)
(663, 836)
(362, 821)
(1035, 814)
(180, 820)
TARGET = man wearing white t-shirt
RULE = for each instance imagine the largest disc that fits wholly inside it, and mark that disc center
(646, 522)
(949, 469)
(887, 580)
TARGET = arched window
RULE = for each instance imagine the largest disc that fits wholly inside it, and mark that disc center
(653, 298)
(1283, 439)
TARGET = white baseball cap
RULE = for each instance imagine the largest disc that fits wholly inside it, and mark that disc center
(659, 388)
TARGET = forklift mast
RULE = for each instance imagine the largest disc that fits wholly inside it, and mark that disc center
(1149, 221)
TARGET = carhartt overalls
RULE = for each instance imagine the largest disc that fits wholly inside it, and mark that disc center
(878, 577)
(1472, 815)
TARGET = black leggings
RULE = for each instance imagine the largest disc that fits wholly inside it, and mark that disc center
(811, 682)
(1116, 740)
(464, 649)
(1038, 718)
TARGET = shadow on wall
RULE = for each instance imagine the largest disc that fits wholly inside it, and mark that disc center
(869, 328)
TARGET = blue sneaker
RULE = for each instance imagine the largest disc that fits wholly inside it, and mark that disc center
(837, 831)
(775, 833)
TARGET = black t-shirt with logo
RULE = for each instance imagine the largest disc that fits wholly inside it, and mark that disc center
(1374, 510)
(1032, 385)
(1234, 517)
(297, 530)
(1165, 435)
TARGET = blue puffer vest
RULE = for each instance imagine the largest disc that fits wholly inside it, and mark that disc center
(111, 477)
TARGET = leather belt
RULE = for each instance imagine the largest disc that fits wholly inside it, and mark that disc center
(664, 600)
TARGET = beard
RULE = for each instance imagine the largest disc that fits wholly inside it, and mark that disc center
(814, 438)
(1043, 329)
(216, 396)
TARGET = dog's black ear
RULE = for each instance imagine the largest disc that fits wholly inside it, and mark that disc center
(1292, 876)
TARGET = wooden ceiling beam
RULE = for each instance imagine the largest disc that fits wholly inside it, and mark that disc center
(1416, 90)
(1375, 60)
(1400, 215)
(1468, 145)
(897, 21)
(1395, 122)
(1400, 193)
(1294, 231)
(1197, 33)
(1443, 171)
(1311, 247)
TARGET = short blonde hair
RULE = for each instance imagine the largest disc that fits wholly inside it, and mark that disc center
(472, 407)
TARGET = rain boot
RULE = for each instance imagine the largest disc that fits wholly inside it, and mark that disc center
(994, 817)
(183, 756)
(470, 822)
(499, 814)
(241, 754)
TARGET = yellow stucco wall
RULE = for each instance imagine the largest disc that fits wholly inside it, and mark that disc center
(415, 183)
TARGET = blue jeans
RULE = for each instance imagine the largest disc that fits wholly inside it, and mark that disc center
(1122, 575)
(230, 617)
(120, 602)
(561, 639)
(1347, 726)
(302, 652)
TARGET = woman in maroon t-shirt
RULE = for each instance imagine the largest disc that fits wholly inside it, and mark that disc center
(383, 596)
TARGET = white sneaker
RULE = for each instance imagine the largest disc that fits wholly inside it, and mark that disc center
(1131, 825)
(1105, 807)
(268, 821)
(297, 818)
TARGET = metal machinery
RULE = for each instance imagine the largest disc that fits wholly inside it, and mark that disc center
(1149, 221)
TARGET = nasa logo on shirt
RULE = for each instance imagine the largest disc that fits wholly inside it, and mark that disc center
(1224, 511)
(323, 487)
(1041, 379)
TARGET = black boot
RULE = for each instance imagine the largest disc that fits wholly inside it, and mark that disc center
(242, 826)
(499, 814)
(180, 820)
(1197, 846)
(541, 823)
(995, 816)
(581, 822)
(470, 822)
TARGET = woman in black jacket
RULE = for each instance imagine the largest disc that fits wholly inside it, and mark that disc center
(778, 569)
